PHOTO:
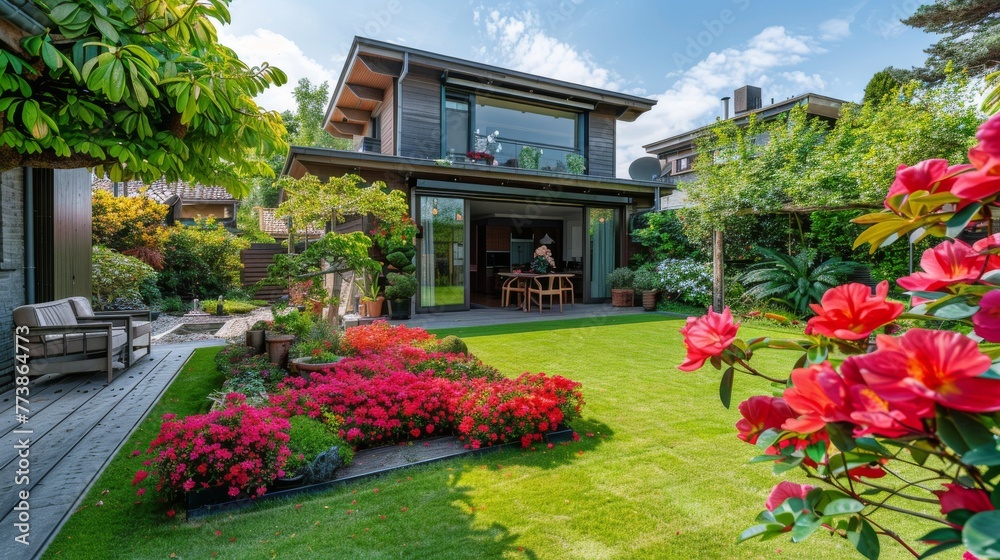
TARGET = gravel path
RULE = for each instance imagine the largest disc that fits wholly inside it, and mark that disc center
(234, 328)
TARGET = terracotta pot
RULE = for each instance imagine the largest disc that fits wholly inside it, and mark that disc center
(277, 348)
(255, 340)
(622, 298)
(374, 308)
(305, 365)
(649, 300)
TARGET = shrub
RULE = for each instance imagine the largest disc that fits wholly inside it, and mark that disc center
(453, 344)
(379, 336)
(689, 280)
(200, 261)
(172, 304)
(663, 237)
(792, 280)
(229, 307)
(126, 222)
(647, 279)
(621, 278)
(294, 322)
(241, 448)
(307, 438)
(576, 164)
(118, 277)
(230, 357)
(401, 286)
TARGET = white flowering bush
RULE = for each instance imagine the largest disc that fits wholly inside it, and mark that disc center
(688, 280)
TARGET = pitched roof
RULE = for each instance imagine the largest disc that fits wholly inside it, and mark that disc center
(161, 191)
(278, 227)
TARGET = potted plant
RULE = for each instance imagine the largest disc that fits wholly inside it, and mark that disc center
(401, 288)
(576, 164)
(318, 351)
(621, 280)
(255, 336)
(372, 293)
(528, 157)
(283, 332)
(647, 281)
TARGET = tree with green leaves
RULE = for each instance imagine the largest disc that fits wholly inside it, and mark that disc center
(136, 90)
(307, 128)
(971, 30)
(884, 84)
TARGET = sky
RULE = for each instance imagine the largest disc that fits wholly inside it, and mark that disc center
(685, 55)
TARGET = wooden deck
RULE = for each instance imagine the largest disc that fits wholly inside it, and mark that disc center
(77, 423)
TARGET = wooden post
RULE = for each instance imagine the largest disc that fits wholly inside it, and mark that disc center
(718, 280)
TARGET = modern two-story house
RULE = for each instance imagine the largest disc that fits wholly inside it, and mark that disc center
(677, 153)
(495, 162)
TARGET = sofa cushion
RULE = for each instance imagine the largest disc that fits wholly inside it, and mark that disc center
(48, 314)
(57, 345)
(81, 306)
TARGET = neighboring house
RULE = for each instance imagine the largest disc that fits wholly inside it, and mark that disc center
(677, 153)
(278, 227)
(44, 220)
(186, 201)
(492, 161)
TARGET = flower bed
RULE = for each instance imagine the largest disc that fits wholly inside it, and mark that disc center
(396, 384)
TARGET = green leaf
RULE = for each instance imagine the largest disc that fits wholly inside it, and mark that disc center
(106, 29)
(949, 433)
(872, 444)
(817, 354)
(961, 219)
(726, 387)
(761, 529)
(843, 462)
(995, 497)
(984, 455)
(941, 535)
(50, 55)
(954, 309)
(864, 538)
(981, 534)
(843, 506)
(939, 548)
(765, 458)
(926, 295)
(805, 526)
(787, 465)
(816, 451)
(115, 88)
(767, 438)
(840, 435)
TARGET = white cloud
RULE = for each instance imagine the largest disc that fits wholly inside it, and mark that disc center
(518, 41)
(836, 28)
(693, 99)
(277, 50)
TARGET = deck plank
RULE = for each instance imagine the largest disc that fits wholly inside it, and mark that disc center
(84, 422)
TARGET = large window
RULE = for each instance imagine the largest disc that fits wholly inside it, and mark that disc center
(513, 134)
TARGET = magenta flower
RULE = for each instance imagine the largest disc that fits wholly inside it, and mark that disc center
(987, 320)
(707, 336)
(785, 490)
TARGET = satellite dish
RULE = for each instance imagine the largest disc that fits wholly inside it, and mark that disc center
(644, 169)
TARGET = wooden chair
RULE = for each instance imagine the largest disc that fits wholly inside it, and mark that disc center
(566, 285)
(513, 285)
(545, 286)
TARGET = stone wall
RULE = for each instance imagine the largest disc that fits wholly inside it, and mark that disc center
(11, 266)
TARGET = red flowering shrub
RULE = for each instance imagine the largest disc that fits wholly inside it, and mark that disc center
(380, 336)
(240, 447)
(493, 412)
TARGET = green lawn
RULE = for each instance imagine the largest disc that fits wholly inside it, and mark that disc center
(662, 476)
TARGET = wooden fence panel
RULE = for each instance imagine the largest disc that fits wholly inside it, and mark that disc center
(255, 262)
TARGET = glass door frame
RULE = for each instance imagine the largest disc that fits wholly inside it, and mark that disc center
(416, 205)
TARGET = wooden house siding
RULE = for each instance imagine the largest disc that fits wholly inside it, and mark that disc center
(601, 143)
(255, 261)
(11, 266)
(386, 119)
(421, 124)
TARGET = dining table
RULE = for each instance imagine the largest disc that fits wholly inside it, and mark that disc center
(529, 285)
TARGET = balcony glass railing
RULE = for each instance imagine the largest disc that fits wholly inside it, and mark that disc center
(521, 155)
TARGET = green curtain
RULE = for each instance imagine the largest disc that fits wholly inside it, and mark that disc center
(603, 225)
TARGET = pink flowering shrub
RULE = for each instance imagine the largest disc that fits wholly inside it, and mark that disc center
(380, 336)
(241, 448)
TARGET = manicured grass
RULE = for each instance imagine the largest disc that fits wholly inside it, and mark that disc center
(658, 473)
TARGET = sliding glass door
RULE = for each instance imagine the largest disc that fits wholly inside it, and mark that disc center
(443, 255)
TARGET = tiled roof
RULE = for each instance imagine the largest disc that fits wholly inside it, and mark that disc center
(278, 227)
(160, 190)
